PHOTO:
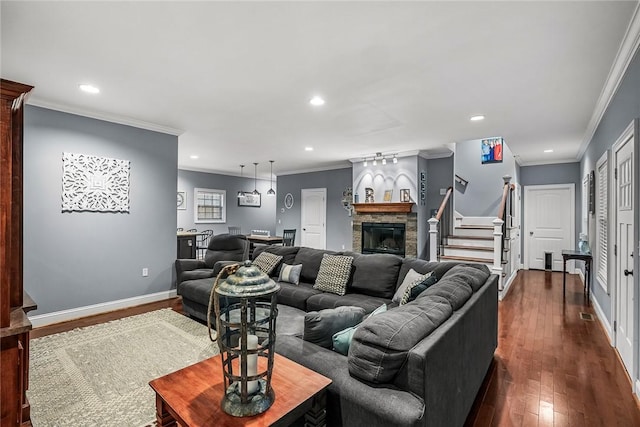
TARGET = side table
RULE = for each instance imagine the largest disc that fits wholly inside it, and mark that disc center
(582, 256)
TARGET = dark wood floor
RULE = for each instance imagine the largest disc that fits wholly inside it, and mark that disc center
(551, 368)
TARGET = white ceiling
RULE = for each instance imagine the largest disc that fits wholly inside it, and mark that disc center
(233, 79)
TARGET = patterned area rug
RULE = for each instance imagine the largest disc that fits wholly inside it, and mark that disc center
(99, 375)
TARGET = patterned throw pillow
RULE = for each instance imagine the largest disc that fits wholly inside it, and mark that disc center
(290, 273)
(409, 278)
(267, 262)
(334, 274)
(415, 288)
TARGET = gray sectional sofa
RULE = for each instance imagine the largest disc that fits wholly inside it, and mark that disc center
(417, 364)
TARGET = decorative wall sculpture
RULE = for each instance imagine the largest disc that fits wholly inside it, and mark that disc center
(91, 183)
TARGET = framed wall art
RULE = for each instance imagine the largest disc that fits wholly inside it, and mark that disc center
(491, 150)
(247, 198)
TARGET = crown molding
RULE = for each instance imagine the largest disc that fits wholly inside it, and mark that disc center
(626, 52)
(113, 118)
(318, 169)
(387, 154)
(548, 162)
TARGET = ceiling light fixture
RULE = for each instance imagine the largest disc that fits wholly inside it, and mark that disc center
(308, 148)
(89, 88)
(271, 192)
(240, 193)
(384, 160)
(375, 162)
(194, 156)
(477, 118)
(548, 151)
(364, 163)
(395, 159)
(316, 101)
(255, 179)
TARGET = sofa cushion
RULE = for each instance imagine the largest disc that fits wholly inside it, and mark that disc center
(320, 326)
(334, 274)
(310, 259)
(267, 262)
(416, 287)
(288, 253)
(196, 290)
(324, 300)
(455, 292)
(421, 266)
(380, 345)
(375, 274)
(290, 273)
(342, 339)
(296, 295)
(411, 277)
(473, 274)
(200, 273)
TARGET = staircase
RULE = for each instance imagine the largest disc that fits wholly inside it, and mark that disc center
(471, 241)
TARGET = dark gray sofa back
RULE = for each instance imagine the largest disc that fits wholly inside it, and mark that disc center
(374, 274)
(288, 254)
(310, 259)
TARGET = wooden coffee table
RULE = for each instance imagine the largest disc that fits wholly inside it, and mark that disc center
(192, 396)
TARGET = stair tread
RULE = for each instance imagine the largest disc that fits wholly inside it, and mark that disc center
(481, 227)
(465, 258)
(458, 236)
(474, 248)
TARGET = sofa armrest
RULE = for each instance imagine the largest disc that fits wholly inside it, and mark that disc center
(183, 265)
(219, 265)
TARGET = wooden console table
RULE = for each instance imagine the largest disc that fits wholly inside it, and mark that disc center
(581, 256)
(192, 396)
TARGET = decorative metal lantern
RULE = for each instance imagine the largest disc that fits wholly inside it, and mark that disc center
(246, 328)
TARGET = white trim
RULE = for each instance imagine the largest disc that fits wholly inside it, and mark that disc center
(637, 389)
(112, 118)
(343, 165)
(89, 310)
(547, 162)
(626, 52)
(507, 285)
(603, 320)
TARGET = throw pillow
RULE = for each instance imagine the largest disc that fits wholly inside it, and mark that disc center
(342, 339)
(267, 262)
(418, 286)
(320, 326)
(411, 277)
(290, 273)
(334, 274)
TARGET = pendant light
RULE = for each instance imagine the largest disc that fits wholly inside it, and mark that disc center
(240, 191)
(255, 179)
(271, 192)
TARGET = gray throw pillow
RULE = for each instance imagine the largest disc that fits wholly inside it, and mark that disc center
(267, 262)
(334, 274)
(411, 277)
(320, 326)
(290, 273)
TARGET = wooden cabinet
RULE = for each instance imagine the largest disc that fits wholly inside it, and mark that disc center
(14, 303)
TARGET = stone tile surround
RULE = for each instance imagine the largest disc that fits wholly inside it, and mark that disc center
(410, 220)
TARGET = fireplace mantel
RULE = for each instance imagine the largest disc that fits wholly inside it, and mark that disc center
(402, 207)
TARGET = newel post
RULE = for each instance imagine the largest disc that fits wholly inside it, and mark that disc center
(497, 250)
(433, 239)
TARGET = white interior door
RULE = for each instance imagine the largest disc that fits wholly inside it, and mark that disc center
(313, 218)
(549, 224)
(623, 195)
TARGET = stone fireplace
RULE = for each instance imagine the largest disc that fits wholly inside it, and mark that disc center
(390, 218)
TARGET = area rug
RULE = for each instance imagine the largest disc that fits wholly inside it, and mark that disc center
(99, 375)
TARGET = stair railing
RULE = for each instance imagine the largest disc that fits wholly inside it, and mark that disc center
(437, 225)
(500, 234)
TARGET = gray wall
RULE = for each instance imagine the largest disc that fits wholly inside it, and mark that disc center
(624, 107)
(75, 259)
(439, 176)
(248, 218)
(338, 219)
(483, 193)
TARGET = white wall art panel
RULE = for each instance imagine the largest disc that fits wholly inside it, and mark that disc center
(91, 183)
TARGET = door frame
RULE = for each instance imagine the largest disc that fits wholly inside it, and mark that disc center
(527, 221)
(630, 132)
(324, 199)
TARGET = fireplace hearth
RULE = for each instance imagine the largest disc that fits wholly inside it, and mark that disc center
(387, 238)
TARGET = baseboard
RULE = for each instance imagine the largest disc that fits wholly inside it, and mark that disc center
(637, 390)
(581, 274)
(507, 286)
(602, 319)
(89, 310)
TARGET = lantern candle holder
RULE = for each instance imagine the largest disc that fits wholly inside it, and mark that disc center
(246, 337)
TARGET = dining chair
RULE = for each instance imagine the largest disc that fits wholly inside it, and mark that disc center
(202, 242)
(289, 237)
(233, 230)
(192, 230)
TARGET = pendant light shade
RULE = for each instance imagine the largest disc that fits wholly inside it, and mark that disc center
(240, 191)
(271, 192)
(255, 179)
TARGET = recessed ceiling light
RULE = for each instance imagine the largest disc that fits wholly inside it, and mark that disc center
(548, 151)
(308, 148)
(194, 156)
(477, 118)
(89, 89)
(317, 101)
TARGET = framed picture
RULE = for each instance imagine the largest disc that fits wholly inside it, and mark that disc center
(405, 195)
(247, 198)
(387, 195)
(182, 200)
(491, 150)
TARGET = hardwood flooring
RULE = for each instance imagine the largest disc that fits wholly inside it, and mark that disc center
(551, 367)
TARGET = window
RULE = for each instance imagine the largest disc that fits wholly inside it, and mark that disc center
(601, 221)
(209, 205)
(585, 205)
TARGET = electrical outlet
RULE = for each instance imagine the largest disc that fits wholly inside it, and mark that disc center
(443, 191)
(145, 272)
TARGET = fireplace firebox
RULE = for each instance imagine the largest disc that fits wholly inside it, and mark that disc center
(383, 238)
